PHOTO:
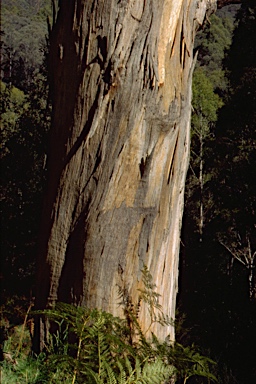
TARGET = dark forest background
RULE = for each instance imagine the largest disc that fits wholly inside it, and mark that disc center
(218, 248)
(217, 294)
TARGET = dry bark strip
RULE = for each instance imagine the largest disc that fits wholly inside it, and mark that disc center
(121, 73)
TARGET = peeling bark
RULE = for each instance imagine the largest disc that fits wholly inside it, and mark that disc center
(121, 75)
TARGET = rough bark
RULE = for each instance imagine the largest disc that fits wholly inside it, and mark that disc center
(121, 76)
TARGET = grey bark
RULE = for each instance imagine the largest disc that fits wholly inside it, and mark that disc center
(121, 75)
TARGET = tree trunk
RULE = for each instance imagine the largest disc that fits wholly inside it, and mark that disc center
(121, 75)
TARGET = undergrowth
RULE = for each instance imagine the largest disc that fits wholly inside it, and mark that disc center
(94, 347)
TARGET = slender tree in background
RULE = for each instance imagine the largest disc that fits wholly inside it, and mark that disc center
(205, 106)
(120, 77)
(209, 85)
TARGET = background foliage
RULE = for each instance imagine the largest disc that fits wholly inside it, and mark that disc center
(25, 113)
(217, 273)
(23, 31)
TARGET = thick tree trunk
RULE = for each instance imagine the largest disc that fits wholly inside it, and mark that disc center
(121, 74)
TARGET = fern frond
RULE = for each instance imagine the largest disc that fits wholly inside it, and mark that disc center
(110, 350)
(157, 372)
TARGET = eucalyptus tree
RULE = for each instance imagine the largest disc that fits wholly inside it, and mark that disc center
(120, 82)
(205, 107)
(209, 90)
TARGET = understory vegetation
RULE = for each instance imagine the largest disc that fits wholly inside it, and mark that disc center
(94, 347)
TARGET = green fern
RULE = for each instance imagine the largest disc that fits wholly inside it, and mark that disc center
(149, 296)
(97, 348)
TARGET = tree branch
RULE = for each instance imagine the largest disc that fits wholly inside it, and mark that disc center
(232, 253)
